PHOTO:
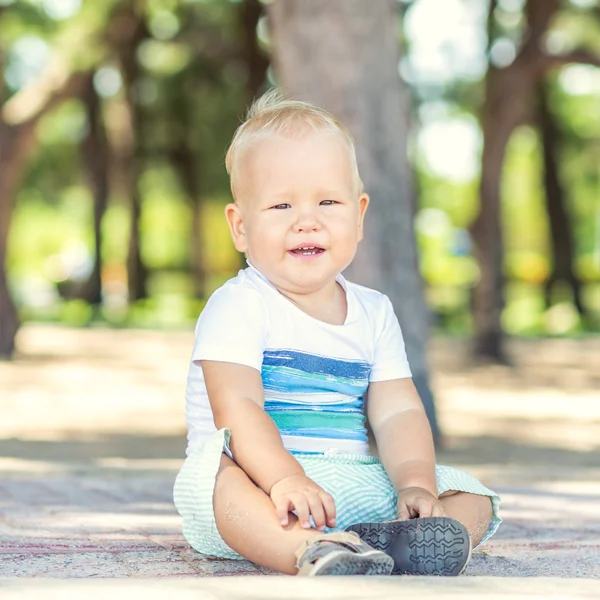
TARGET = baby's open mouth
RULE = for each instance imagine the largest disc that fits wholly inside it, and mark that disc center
(307, 250)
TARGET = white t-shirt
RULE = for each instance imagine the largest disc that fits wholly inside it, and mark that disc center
(314, 373)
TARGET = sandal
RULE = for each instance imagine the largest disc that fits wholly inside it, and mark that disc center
(429, 546)
(341, 554)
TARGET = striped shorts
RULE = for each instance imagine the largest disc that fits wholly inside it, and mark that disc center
(358, 483)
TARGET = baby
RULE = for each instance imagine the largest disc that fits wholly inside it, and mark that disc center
(289, 359)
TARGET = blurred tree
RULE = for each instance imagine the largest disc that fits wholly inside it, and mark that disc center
(19, 116)
(509, 94)
(96, 155)
(562, 243)
(189, 165)
(128, 30)
(249, 15)
(173, 77)
(343, 55)
(240, 53)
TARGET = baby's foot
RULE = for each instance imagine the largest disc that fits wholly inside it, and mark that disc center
(429, 546)
(341, 554)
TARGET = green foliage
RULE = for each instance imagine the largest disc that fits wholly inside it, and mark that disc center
(191, 91)
(523, 212)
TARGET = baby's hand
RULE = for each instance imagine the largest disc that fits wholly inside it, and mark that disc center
(299, 493)
(417, 502)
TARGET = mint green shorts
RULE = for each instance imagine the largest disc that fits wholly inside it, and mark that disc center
(359, 485)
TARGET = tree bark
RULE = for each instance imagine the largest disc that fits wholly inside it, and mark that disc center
(9, 320)
(504, 109)
(508, 96)
(187, 162)
(96, 160)
(18, 118)
(250, 12)
(14, 146)
(343, 55)
(563, 252)
(127, 32)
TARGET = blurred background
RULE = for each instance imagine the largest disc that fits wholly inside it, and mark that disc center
(115, 119)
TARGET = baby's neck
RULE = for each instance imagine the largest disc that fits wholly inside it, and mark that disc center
(329, 305)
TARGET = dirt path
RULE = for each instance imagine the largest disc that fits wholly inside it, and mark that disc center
(92, 434)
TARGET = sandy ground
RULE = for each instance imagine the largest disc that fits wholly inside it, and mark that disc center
(92, 434)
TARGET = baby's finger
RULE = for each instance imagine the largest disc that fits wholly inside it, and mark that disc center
(438, 511)
(302, 510)
(425, 509)
(403, 513)
(317, 512)
(282, 508)
(329, 506)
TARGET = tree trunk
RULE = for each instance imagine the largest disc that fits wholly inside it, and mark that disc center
(19, 116)
(508, 95)
(343, 55)
(188, 164)
(9, 320)
(127, 33)
(96, 158)
(250, 12)
(562, 238)
(501, 114)
(14, 144)
(257, 63)
(137, 273)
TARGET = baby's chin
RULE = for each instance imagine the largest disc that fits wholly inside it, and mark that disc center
(301, 286)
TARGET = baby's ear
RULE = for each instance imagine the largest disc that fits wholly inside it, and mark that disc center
(363, 204)
(236, 227)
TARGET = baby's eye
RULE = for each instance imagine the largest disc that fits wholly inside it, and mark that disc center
(328, 202)
(281, 206)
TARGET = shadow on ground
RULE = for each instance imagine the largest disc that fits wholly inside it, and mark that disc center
(478, 450)
(92, 437)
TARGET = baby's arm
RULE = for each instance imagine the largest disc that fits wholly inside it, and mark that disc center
(405, 445)
(236, 397)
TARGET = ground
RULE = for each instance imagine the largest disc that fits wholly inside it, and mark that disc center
(92, 435)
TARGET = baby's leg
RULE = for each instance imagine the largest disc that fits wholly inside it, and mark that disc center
(247, 521)
(472, 510)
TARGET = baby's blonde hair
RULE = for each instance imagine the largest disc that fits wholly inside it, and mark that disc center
(273, 114)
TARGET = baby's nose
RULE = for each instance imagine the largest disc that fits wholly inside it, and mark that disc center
(306, 221)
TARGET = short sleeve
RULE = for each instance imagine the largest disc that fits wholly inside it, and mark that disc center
(390, 361)
(233, 327)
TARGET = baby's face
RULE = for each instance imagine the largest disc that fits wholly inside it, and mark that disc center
(299, 214)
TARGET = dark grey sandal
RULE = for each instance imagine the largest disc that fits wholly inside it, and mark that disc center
(429, 546)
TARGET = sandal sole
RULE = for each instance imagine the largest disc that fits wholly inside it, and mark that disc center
(429, 546)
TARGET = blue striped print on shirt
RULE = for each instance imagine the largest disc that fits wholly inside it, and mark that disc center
(315, 364)
(352, 406)
(300, 381)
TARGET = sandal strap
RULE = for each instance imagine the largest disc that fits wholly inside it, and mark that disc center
(317, 546)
